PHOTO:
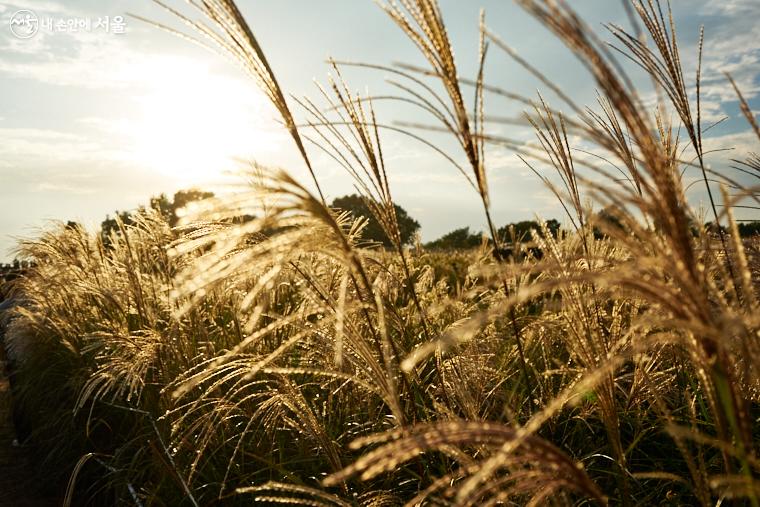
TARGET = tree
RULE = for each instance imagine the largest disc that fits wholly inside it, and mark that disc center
(160, 203)
(608, 219)
(164, 206)
(554, 226)
(458, 239)
(747, 229)
(522, 229)
(358, 208)
(183, 198)
(462, 239)
(111, 225)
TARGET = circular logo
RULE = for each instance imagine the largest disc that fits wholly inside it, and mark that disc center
(24, 24)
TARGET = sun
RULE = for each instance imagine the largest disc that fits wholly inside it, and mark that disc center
(192, 125)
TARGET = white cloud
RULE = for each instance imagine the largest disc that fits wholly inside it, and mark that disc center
(174, 115)
(85, 60)
(47, 186)
(38, 156)
(731, 46)
(730, 7)
(730, 146)
(31, 142)
(38, 6)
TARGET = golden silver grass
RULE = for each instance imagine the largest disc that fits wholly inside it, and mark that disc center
(258, 349)
(547, 470)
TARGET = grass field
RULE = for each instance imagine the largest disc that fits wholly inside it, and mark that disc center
(282, 360)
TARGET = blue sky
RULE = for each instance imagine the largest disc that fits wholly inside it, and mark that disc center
(93, 121)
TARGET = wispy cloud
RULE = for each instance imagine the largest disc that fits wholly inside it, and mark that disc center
(84, 60)
(730, 7)
(63, 187)
(38, 6)
(731, 46)
(32, 156)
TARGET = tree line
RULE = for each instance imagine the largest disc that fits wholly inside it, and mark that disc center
(458, 239)
(408, 227)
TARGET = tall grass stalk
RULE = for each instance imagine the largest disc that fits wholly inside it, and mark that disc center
(284, 359)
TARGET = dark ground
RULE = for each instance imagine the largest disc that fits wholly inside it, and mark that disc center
(18, 487)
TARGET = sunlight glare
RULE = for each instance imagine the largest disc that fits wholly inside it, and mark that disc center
(192, 124)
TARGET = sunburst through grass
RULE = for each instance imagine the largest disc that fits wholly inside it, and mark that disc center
(283, 359)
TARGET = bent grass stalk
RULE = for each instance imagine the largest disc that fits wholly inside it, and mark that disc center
(282, 360)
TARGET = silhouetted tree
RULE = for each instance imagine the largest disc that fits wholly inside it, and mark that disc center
(458, 239)
(161, 203)
(522, 229)
(111, 225)
(608, 219)
(464, 239)
(164, 206)
(554, 226)
(183, 198)
(358, 207)
(747, 229)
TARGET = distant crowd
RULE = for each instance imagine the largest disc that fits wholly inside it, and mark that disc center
(9, 272)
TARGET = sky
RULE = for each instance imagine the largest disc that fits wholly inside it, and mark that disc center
(95, 119)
